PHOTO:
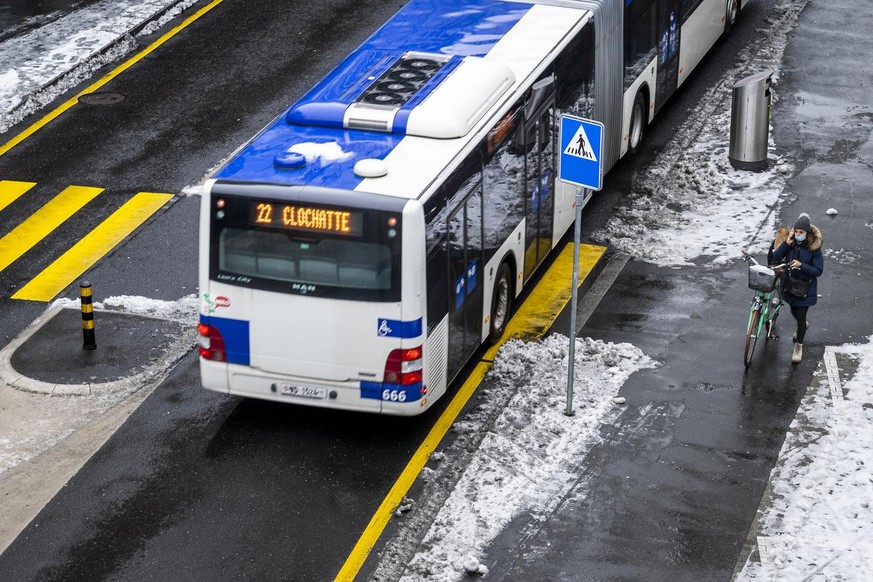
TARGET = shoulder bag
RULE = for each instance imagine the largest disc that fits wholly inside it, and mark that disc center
(795, 285)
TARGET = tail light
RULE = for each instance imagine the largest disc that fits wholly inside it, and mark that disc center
(211, 343)
(404, 367)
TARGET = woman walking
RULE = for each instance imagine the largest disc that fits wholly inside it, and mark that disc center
(802, 252)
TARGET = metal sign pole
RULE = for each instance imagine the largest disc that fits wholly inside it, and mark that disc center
(580, 164)
(577, 238)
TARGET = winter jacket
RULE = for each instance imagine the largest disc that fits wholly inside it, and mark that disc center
(812, 265)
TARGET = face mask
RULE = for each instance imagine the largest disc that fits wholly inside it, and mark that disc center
(800, 237)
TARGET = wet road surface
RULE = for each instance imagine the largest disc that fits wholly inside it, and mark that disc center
(209, 487)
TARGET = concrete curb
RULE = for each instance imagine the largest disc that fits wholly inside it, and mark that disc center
(176, 350)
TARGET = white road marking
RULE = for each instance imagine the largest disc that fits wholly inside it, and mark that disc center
(830, 360)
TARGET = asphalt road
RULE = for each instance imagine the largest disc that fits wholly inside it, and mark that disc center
(196, 486)
(185, 108)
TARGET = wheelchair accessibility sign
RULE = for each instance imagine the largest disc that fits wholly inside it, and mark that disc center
(581, 145)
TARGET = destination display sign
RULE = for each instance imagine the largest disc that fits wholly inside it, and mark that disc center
(308, 218)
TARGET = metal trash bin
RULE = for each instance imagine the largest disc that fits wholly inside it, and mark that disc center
(750, 122)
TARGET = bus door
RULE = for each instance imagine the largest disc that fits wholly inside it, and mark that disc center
(539, 136)
(669, 26)
(464, 242)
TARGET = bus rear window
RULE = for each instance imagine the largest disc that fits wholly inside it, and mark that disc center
(307, 261)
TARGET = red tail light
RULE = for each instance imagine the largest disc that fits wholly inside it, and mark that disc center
(211, 343)
(404, 367)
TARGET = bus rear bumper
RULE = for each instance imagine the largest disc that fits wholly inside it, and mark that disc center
(251, 383)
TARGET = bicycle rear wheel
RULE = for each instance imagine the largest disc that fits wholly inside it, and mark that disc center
(751, 337)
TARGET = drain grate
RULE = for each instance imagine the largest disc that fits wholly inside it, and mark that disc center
(102, 98)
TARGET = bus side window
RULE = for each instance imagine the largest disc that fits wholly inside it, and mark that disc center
(574, 72)
(435, 267)
(641, 39)
(503, 187)
(525, 138)
(437, 283)
(546, 121)
(540, 94)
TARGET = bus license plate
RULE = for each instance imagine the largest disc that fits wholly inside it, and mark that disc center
(303, 391)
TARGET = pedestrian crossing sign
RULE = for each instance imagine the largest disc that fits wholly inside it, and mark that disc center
(581, 145)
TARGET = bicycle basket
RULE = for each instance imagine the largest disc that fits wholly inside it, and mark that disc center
(761, 278)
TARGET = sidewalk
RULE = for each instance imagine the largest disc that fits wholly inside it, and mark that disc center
(820, 485)
(59, 403)
(814, 518)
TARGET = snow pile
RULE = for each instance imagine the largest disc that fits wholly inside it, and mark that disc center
(692, 203)
(173, 12)
(185, 309)
(531, 453)
(324, 153)
(820, 522)
(698, 207)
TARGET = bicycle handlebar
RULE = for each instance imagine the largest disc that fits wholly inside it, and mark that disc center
(749, 258)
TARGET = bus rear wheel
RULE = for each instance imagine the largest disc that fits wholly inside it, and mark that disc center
(501, 303)
(730, 17)
(637, 124)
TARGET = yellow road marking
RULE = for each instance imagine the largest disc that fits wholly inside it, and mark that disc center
(531, 320)
(57, 276)
(534, 317)
(10, 190)
(383, 514)
(43, 221)
(109, 76)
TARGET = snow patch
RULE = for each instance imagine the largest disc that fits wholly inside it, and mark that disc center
(529, 455)
(185, 309)
(691, 205)
(192, 190)
(325, 153)
(9, 81)
(820, 520)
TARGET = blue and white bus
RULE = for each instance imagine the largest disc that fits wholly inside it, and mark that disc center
(358, 250)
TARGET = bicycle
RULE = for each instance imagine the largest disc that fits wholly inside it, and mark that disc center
(766, 303)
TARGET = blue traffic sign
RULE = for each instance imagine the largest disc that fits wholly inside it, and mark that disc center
(581, 147)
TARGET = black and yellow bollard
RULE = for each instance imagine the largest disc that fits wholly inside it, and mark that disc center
(90, 342)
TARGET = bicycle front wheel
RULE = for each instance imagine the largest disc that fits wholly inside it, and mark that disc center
(751, 337)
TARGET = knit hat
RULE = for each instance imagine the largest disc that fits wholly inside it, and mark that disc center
(803, 223)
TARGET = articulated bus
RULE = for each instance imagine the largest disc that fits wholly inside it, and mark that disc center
(358, 250)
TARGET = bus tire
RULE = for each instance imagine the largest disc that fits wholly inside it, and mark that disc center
(732, 10)
(501, 303)
(637, 124)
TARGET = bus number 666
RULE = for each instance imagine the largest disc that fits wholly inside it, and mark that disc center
(394, 395)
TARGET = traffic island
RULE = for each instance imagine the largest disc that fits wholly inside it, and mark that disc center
(48, 357)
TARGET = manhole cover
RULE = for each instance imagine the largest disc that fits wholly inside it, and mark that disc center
(104, 98)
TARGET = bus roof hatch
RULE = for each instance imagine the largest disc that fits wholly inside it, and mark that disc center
(419, 94)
